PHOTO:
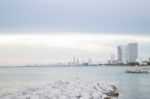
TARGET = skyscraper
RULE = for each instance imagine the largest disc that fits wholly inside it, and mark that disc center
(148, 59)
(133, 52)
(119, 49)
(127, 53)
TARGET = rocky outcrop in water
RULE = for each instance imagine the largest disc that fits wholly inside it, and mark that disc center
(138, 70)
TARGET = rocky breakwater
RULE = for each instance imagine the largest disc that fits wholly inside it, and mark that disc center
(138, 70)
(66, 89)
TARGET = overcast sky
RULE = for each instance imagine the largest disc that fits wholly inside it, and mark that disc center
(27, 29)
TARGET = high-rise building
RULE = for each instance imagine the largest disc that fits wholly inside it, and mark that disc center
(89, 61)
(127, 53)
(119, 49)
(122, 54)
(133, 52)
(148, 59)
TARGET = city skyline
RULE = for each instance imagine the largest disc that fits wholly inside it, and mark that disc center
(50, 31)
(43, 49)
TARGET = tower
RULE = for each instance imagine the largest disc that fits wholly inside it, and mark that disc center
(127, 53)
(133, 52)
(119, 51)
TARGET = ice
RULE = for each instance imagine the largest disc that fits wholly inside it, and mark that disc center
(66, 89)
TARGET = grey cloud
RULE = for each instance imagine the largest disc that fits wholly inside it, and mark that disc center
(115, 16)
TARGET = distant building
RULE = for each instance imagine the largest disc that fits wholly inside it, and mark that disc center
(127, 53)
(133, 52)
(112, 60)
(112, 57)
(122, 54)
(77, 61)
(148, 59)
(74, 62)
(89, 61)
(109, 61)
(119, 49)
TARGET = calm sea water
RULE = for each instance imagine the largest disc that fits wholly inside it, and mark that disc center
(131, 86)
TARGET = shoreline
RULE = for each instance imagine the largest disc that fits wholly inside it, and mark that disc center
(70, 89)
(78, 66)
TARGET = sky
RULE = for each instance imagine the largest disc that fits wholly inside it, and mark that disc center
(49, 31)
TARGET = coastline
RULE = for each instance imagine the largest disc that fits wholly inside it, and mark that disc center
(70, 89)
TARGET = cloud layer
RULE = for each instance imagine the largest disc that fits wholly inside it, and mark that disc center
(101, 16)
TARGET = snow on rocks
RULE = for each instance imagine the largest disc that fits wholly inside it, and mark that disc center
(66, 89)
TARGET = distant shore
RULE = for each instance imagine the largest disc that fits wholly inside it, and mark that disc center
(106, 65)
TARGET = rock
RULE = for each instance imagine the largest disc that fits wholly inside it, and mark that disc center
(138, 70)
(107, 97)
(70, 89)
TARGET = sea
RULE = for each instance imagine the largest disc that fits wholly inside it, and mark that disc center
(130, 86)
